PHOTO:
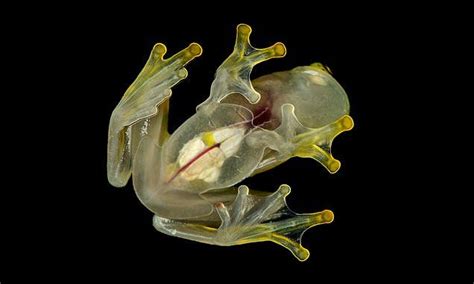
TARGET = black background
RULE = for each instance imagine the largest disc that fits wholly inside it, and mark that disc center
(72, 224)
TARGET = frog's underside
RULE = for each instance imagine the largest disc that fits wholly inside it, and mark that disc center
(187, 178)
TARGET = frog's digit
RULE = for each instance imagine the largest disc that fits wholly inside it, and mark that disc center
(233, 76)
(150, 89)
(189, 178)
(252, 218)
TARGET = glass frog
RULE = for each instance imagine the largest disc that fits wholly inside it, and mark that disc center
(188, 178)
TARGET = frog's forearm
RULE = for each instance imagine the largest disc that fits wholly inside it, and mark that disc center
(148, 93)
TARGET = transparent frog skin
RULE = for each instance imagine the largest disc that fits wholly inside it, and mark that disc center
(188, 178)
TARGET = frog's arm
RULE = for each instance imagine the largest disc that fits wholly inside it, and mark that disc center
(250, 218)
(136, 112)
(233, 76)
(321, 104)
(292, 139)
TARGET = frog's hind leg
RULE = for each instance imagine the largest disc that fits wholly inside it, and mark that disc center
(251, 218)
(147, 96)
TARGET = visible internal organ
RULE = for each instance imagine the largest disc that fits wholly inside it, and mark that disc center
(317, 97)
(263, 111)
(203, 156)
(262, 116)
(187, 178)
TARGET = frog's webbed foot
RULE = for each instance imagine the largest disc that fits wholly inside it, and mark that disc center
(153, 84)
(148, 92)
(249, 219)
(252, 218)
(233, 76)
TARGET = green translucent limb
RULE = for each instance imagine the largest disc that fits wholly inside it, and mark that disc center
(150, 90)
(249, 219)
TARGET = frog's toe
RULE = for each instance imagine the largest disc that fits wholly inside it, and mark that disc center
(251, 218)
(233, 76)
(153, 85)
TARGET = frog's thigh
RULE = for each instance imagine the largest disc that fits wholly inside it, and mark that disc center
(250, 217)
(180, 205)
(156, 194)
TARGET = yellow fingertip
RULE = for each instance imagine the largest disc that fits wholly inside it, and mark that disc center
(160, 49)
(334, 166)
(323, 217)
(302, 254)
(195, 49)
(347, 122)
(280, 49)
(284, 189)
(183, 73)
(327, 216)
(244, 29)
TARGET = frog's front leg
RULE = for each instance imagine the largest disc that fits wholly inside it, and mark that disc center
(250, 218)
(136, 113)
(292, 139)
(233, 76)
